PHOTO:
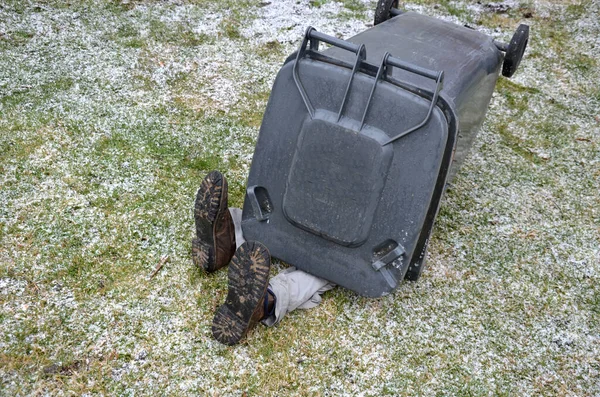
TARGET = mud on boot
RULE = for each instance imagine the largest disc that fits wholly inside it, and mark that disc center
(214, 244)
(245, 303)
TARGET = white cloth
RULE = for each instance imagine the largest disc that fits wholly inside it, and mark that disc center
(293, 288)
(236, 215)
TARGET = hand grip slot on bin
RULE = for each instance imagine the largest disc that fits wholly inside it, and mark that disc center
(381, 263)
(260, 201)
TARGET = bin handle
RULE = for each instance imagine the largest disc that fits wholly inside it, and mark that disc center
(315, 37)
(389, 60)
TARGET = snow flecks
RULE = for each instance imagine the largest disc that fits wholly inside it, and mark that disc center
(108, 127)
(286, 21)
(12, 287)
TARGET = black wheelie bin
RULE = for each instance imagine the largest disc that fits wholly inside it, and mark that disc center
(358, 141)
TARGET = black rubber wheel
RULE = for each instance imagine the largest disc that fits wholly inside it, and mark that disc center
(515, 51)
(382, 11)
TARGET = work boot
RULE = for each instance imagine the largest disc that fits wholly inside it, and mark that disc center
(214, 244)
(248, 300)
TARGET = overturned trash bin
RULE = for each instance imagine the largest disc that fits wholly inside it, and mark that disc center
(358, 141)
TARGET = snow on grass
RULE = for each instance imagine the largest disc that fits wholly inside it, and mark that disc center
(112, 112)
(286, 21)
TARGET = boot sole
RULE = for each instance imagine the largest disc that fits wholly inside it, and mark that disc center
(248, 282)
(207, 209)
(203, 255)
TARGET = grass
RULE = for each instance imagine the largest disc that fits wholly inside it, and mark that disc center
(112, 112)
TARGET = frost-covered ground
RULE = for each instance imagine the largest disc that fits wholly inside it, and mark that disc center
(112, 112)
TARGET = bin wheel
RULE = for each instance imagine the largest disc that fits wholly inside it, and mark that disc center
(515, 51)
(382, 11)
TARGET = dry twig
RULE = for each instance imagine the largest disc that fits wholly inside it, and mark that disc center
(163, 259)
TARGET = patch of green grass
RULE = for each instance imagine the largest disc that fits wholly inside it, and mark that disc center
(120, 6)
(596, 94)
(505, 83)
(559, 36)
(16, 6)
(584, 63)
(517, 144)
(560, 39)
(230, 28)
(14, 147)
(113, 141)
(253, 114)
(37, 94)
(458, 11)
(270, 49)
(593, 300)
(127, 31)
(517, 96)
(355, 6)
(134, 43)
(318, 3)
(516, 102)
(579, 9)
(128, 35)
(20, 37)
(353, 9)
(553, 134)
(176, 34)
(202, 163)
